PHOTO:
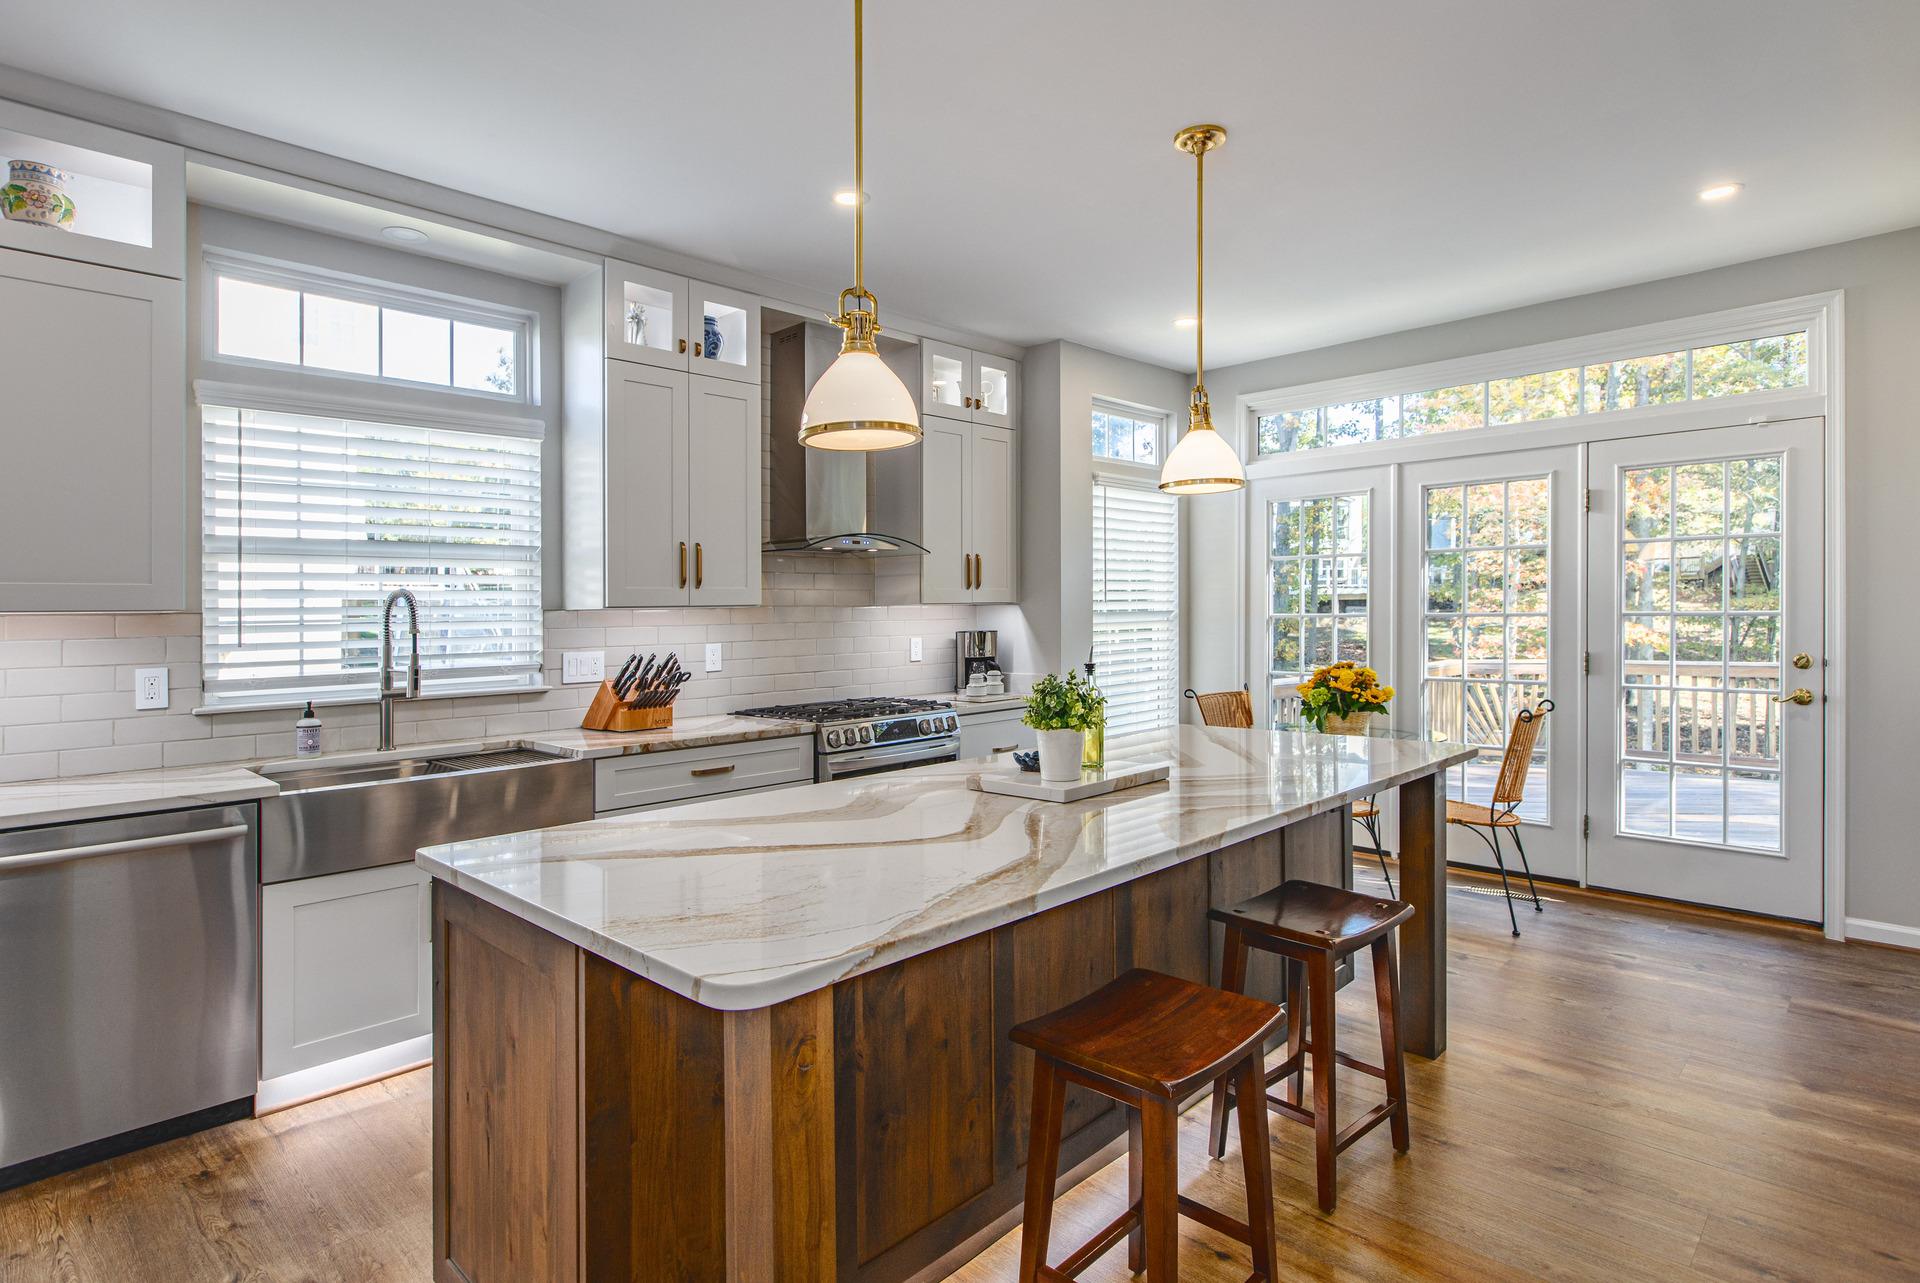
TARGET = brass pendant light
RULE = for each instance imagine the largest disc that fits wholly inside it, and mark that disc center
(1203, 462)
(859, 403)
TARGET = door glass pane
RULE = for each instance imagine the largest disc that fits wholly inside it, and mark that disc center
(1699, 751)
(993, 391)
(1317, 575)
(949, 378)
(1486, 625)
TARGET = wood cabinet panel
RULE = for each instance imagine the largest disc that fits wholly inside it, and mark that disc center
(506, 1097)
(655, 1133)
(913, 1088)
(1039, 964)
(805, 1199)
(1233, 874)
(1160, 923)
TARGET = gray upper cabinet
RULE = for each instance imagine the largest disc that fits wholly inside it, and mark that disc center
(975, 387)
(93, 494)
(661, 448)
(968, 480)
(127, 193)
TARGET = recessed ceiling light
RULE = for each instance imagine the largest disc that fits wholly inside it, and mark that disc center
(847, 198)
(1721, 192)
(405, 235)
(1187, 322)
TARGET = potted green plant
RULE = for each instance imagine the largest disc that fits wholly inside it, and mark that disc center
(1061, 709)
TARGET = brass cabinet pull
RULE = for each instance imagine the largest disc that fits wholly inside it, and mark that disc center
(683, 563)
(715, 770)
(699, 566)
(683, 346)
(979, 573)
(1802, 697)
(966, 563)
(1007, 748)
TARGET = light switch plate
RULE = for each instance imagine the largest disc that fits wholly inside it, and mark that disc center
(583, 666)
(149, 688)
(913, 650)
(713, 657)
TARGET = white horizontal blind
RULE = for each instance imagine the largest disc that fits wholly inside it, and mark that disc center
(309, 522)
(1136, 606)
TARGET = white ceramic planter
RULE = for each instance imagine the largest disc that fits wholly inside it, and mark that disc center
(1060, 755)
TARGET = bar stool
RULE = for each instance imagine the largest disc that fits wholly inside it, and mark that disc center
(1148, 1041)
(1314, 927)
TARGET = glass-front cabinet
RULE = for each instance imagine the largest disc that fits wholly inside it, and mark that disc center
(656, 318)
(80, 191)
(974, 387)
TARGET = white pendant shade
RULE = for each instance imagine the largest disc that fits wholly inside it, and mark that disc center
(1202, 463)
(859, 404)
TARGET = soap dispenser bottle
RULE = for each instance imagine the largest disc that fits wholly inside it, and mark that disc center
(306, 734)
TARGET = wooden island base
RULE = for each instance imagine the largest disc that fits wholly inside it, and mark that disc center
(592, 1125)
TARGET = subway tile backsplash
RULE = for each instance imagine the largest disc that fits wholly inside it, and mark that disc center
(66, 681)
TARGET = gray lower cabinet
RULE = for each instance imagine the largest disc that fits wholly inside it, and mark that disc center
(997, 732)
(687, 774)
(93, 491)
(346, 966)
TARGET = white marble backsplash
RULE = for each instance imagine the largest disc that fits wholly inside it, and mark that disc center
(66, 681)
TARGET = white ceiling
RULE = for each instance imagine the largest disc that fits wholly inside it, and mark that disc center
(1390, 164)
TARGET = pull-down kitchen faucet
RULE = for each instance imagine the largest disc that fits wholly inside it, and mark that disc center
(388, 691)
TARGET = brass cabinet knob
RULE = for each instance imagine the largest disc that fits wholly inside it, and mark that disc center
(1803, 660)
(1802, 697)
(683, 345)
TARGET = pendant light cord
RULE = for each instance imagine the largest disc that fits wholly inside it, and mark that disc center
(1199, 266)
(859, 158)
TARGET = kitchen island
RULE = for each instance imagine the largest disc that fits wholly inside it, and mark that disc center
(764, 1037)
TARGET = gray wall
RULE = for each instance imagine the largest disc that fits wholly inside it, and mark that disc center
(1052, 628)
(1881, 277)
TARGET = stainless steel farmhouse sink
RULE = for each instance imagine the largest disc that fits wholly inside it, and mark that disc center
(331, 819)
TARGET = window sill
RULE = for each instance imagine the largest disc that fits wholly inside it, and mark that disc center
(344, 701)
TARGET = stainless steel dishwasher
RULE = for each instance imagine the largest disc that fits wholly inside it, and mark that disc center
(129, 1008)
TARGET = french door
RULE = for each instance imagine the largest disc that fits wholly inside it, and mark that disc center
(1706, 629)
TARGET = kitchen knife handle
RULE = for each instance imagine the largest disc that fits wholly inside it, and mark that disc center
(699, 565)
(683, 563)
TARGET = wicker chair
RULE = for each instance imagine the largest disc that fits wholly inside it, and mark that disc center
(1490, 821)
(1225, 708)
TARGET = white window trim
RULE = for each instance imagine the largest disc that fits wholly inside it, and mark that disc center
(236, 265)
(1824, 318)
(1815, 313)
(247, 396)
(1109, 470)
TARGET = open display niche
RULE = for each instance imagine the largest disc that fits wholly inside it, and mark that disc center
(128, 192)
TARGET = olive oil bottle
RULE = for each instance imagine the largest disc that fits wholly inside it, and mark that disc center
(1095, 756)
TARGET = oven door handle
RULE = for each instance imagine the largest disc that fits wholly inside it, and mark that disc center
(905, 754)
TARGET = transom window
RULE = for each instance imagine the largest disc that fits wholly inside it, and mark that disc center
(1130, 438)
(1317, 577)
(1485, 567)
(1689, 374)
(275, 317)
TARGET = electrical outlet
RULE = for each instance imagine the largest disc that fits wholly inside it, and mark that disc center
(583, 666)
(149, 688)
(913, 650)
(713, 657)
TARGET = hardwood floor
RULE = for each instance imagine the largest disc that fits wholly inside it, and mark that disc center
(1631, 1092)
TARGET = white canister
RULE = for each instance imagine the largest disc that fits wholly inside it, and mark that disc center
(1060, 755)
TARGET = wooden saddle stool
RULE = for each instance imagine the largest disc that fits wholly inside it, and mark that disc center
(1148, 1041)
(1314, 927)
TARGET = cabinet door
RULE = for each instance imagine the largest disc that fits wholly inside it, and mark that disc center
(723, 492)
(946, 380)
(724, 337)
(96, 426)
(946, 461)
(996, 390)
(346, 966)
(990, 518)
(646, 315)
(649, 557)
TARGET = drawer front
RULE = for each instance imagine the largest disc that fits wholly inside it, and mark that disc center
(982, 734)
(648, 779)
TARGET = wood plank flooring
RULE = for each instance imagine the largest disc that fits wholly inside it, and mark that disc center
(1632, 1092)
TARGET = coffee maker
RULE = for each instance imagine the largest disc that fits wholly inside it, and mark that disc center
(974, 652)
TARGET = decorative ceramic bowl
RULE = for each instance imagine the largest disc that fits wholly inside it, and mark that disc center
(37, 193)
(1027, 761)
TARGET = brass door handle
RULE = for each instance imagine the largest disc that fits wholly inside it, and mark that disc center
(1802, 697)
(699, 566)
(683, 563)
(715, 770)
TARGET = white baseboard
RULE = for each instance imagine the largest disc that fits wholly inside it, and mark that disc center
(298, 1088)
(1883, 933)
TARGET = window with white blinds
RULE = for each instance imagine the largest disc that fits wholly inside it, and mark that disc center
(309, 521)
(1136, 606)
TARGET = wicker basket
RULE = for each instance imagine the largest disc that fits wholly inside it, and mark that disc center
(1351, 724)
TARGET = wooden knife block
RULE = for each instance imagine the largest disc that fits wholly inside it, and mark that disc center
(607, 713)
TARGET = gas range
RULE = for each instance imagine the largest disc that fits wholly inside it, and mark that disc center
(865, 736)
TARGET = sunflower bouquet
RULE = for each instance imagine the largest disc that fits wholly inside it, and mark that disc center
(1343, 693)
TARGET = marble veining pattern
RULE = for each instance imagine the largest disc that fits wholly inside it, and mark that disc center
(743, 902)
(693, 732)
(92, 797)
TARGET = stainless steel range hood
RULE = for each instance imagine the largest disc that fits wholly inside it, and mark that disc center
(820, 500)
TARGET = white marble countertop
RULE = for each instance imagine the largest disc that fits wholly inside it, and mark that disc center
(746, 901)
(93, 797)
(998, 704)
(90, 797)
